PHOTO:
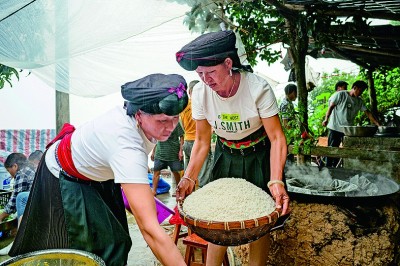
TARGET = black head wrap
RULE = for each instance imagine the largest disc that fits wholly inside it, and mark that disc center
(210, 49)
(156, 94)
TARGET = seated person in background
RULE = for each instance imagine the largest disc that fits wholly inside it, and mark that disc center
(166, 154)
(343, 109)
(22, 198)
(35, 157)
(19, 168)
(286, 108)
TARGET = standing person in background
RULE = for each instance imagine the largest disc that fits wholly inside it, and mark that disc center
(189, 126)
(339, 86)
(288, 113)
(242, 109)
(166, 154)
(24, 173)
(76, 200)
(286, 108)
(343, 109)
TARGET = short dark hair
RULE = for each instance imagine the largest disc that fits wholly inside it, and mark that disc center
(191, 85)
(340, 83)
(36, 155)
(360, 84)
(15, 158)
(290, 88)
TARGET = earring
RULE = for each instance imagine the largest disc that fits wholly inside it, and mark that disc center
(137, 125)
(230, 72)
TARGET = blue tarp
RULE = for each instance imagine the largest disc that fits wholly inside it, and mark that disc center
(163, 186)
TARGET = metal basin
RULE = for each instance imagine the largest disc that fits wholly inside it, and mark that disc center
(388, 130)
(360, 131)
(56, 257)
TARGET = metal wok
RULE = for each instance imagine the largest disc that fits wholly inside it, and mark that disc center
(390, 186)
(359, 131)
(388, 130)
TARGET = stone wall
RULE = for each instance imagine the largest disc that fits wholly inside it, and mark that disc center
(390, 145)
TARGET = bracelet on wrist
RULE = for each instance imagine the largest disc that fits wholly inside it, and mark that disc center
(188, 178)
(270, 183)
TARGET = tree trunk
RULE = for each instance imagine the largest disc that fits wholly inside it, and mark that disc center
(372, 94)
(298, 45)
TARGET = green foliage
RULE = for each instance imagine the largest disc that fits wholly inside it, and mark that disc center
(261, 26)
(387, 86)
(262, 23)
(258, 23)
(213, 137)
(6, 73)
(297, 136)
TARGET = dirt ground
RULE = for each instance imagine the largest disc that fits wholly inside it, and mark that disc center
(323, 234)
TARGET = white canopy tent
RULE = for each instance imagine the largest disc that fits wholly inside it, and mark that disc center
(90, 48)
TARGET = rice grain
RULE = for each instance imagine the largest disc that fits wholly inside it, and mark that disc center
(229, 199)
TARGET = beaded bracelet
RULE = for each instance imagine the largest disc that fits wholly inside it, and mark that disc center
(270, 183)
(188, 178)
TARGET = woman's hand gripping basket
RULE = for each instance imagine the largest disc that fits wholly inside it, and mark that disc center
(229, 212)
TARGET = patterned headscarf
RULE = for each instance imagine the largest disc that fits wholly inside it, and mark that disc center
(210, 49)
(156, 94)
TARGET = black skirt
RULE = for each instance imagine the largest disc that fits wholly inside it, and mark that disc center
(252, 163)
(63, 213)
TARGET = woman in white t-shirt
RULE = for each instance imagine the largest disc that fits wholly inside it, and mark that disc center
(242, 110)
(76, 200)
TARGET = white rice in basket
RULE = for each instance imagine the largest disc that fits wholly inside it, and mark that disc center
(229, 199)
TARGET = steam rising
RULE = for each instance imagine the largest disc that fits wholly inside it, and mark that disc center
(308, 179)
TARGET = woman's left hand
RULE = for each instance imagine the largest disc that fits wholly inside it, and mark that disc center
(184, 188)
(281, 197)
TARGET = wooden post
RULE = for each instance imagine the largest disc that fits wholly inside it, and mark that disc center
(62, 109)
(372, 94)
(62, 66)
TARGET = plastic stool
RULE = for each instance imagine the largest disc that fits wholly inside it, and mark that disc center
(193, 241)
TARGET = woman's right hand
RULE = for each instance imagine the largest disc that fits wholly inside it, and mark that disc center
(281, 197)
(184, 188)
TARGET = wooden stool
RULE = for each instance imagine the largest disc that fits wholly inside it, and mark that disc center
(193, 241)
(177, 233)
